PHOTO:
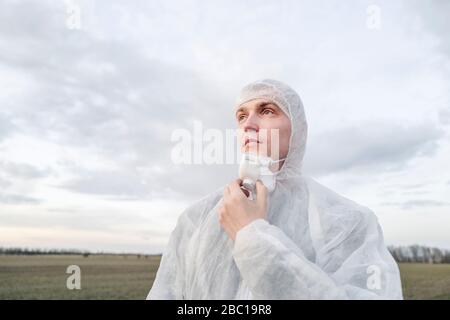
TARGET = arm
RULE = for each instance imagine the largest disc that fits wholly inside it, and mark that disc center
(273, 267)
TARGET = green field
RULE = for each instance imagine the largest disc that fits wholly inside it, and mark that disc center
(130, 277)
(102, 277)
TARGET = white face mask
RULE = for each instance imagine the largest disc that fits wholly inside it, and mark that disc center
(254, 167)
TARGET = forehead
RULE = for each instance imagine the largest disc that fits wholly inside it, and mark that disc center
(256, 103)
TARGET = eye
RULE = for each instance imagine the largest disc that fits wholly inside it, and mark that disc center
(240, 117)
(267, 111)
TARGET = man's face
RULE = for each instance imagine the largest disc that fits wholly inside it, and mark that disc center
(258, 121)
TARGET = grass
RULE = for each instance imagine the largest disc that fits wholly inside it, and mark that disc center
(425, 281)
(102, 277)
(131, 277)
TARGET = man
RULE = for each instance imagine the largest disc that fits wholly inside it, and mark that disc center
(297, 241)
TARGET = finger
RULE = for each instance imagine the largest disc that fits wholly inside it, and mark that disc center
(226, 190)
(236, 184)
(261, 193)
(221, 214)
(235, 188)
(226, 196)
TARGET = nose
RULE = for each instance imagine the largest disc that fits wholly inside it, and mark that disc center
(251, 123)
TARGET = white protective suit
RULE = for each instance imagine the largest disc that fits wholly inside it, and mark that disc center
(314, 243)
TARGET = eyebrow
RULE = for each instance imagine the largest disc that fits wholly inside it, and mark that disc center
(258, 106)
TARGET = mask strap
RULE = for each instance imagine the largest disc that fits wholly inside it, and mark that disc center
(279, 160)
(276, 161)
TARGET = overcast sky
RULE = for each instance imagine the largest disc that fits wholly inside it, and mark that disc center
(87, 110)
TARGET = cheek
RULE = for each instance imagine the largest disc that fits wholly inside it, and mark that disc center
(285, 136)
(284, 132)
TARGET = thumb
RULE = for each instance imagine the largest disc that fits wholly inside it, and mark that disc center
(261, 192)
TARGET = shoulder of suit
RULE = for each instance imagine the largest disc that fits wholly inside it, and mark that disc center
(337, 213)
(198, 210)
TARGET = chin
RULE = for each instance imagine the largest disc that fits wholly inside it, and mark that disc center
(254, 149)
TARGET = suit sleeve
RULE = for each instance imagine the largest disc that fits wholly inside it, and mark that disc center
(274, 267)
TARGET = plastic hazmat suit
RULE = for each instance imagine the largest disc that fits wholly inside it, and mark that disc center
(314, 243)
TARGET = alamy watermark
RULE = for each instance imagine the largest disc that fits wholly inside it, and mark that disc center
(374, 278)
(73, 15)
(215, 146)
(73, 281)
(373, 21)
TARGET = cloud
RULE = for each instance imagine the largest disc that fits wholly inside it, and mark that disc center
(108, 97)
(119, 183)
(370, 145)
(413, 186)
(78, 218)
(6, 127)
(22, 170)
(434, 17)
(97, 106)
(4, 183)
(181, 182)
(444, 115)
(17, 199)
(412, 204)
(14, 172)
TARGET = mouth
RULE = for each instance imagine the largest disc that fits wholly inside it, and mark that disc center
(250, 140)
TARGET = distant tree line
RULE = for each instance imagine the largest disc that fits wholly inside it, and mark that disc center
(418, 253)
(84, 253)
(413, 253)
(33, 251)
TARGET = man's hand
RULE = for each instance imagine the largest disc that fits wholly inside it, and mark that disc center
(237, 210)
